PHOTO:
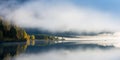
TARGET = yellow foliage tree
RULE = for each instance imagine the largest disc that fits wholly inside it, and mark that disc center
(32, 37)
(26, 36)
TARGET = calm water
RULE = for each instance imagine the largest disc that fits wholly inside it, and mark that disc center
(67, 50)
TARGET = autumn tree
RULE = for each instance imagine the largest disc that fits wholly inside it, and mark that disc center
(32, 37)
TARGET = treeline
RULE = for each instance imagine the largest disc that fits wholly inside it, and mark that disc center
(47, 37)
(11, 32)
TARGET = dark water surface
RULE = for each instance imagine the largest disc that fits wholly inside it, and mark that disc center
(67, 50)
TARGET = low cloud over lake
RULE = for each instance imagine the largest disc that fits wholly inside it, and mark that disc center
(59, 16)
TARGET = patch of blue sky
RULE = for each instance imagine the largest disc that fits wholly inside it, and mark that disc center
(112, 6)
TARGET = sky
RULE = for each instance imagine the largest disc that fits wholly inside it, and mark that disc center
(63, 15)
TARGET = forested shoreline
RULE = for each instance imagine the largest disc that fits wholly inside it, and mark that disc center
(11, 32)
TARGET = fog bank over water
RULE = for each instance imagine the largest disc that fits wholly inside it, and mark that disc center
(104, 36)
(58, 16)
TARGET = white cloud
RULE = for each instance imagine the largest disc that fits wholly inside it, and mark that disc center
(63, 17)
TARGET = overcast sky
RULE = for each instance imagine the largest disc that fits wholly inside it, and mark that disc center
(64, 15)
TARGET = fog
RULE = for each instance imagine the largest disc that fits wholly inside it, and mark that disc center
(58, 16)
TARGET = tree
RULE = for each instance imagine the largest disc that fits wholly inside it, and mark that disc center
(32, 37)
(1, 25)
(24, 35)
(19, 34)
(1, 35)
(13, 32)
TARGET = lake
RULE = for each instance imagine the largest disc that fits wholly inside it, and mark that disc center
(61, 50)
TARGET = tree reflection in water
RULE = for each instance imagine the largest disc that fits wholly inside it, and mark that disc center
(9, 50)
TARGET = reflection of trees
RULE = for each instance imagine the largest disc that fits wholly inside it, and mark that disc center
(33, 42)
(8, 51)
(30, 42)
(14, 49)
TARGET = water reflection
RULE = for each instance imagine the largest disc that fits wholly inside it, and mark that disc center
(10, 51)
(33, 42)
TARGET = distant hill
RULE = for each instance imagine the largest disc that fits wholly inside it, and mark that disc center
(46, 32)
(63, 34)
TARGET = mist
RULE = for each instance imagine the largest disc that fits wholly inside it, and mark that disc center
(57, 16)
